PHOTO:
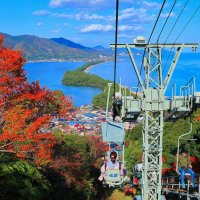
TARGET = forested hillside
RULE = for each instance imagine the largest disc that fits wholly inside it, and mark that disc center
(54, 165)
(35, 48)
(172, 130)
(78, 77)
(35, 164)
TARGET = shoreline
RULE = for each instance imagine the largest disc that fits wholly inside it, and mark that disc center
(91, 66)
(70, 60)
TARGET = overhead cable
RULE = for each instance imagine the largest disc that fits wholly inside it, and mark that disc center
(166, 20)
(156, 21)
(116, 34)
(187, 23)
(169, 14)
(181, 30)
(171, 33)
(176, 21)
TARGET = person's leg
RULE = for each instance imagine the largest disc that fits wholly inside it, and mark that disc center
(191, 172)
(182, 172)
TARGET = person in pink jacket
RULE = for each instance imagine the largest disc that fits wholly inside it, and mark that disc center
(113, 163)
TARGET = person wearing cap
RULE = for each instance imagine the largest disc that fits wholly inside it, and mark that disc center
(113, 163)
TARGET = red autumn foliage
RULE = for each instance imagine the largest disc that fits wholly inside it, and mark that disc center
(193, 160)
(76, 157)
(198, 118)
(24, 109)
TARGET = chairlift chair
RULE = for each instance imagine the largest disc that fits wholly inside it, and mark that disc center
(131, 117)
(113, 178)
(113, 133)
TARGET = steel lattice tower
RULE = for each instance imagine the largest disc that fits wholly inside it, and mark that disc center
(153, 104)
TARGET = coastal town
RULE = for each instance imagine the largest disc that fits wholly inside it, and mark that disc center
(85, 120)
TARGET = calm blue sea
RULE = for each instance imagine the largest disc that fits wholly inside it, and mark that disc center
(50, 74)
(187, 67)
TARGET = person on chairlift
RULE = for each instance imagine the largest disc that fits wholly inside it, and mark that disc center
(113, 163)
(116, 107)
(186, 168)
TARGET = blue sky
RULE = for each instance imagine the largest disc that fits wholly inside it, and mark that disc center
(92, 22)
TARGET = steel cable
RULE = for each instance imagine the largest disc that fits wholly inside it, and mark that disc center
(116, 34)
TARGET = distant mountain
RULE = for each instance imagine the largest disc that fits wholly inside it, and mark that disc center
(70, 44)
(120, 51)
(108, 51)
(35, 48)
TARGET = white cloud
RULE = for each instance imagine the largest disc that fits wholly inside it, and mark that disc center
(76, 3)
(41, 12)
(137, 14)
(128, 1)
(92, 17)
(97, 28)
(125, 16)
(62, 15)
(58, 3)
(40, 24)
(80, 16)
(137, 11)
(153, 5)
(108, 28)
(125, 35)
(164, 15)
(134, 15)
(82, 4)
(129, 28)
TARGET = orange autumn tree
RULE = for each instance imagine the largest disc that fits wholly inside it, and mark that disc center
(198, 118)
(24, 109)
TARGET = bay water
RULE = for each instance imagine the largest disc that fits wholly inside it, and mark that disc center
(50, 74)
(187, 67)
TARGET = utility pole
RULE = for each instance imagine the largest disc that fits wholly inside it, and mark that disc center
(153, 103)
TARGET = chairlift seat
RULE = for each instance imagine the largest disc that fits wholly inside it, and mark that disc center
(113, 177)
(131, 117)
(113, 132)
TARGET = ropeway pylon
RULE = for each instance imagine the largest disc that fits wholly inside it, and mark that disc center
(152, 103)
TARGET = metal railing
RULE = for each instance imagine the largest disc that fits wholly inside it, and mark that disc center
(172, 185)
